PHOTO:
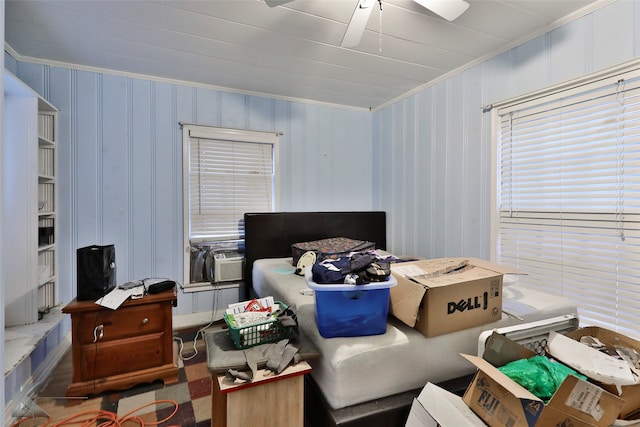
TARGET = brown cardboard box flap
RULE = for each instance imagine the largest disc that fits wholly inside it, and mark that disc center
(507, 383)
(405, 302)
(441, 272)
(499, 268)
(500, 350)
(434, 267)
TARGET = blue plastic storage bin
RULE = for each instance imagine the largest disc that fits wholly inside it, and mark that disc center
(351, 310)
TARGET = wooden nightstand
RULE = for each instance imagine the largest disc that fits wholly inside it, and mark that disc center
(117, 349)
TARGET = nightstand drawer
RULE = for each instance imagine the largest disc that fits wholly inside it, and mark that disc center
(122, 323)
(105, 359)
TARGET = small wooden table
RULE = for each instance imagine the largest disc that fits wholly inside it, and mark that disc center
(276, 400)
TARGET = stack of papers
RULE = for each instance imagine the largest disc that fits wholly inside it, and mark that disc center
(116, 297)
(240, 318)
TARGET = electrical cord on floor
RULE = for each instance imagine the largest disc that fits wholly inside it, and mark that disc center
(181, 347)
(101, 418)
(199, 332)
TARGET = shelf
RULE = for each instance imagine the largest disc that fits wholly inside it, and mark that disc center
(49, 279)
(21, 341)
(45, 142)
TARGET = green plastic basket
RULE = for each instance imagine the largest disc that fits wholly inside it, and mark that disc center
(260, 333)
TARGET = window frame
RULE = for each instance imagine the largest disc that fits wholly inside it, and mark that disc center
(610, 76)
(190, 131)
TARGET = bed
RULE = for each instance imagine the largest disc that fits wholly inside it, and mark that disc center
(369, 380)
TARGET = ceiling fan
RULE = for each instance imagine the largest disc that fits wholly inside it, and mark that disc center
(448, 9)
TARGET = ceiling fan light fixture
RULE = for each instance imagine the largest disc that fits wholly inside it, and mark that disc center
(448, 9)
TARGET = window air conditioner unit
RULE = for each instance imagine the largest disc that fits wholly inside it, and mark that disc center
(227, 267)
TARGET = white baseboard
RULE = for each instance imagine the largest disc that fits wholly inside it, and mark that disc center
(193, 320)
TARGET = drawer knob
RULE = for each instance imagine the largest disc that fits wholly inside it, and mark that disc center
(145, 320)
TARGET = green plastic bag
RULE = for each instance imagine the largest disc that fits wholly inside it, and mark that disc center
(538, 374)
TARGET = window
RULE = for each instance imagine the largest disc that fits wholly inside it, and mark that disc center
(227, 172)
(568, 202)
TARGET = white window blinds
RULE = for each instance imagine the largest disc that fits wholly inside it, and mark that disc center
(230, 172)
(569, 197)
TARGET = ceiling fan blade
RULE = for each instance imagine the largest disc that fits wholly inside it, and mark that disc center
(448, 9)
(274, 3)
(357, 24)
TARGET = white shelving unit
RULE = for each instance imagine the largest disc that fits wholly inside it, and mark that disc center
(29, 191)
(47, 224)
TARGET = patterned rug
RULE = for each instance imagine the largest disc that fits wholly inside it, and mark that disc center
(192, 393)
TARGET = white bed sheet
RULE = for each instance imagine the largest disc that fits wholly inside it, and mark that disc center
(353, 370)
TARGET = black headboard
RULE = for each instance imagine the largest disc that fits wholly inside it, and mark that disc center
(270, 235)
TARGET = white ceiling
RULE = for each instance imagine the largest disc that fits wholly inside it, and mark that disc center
(290, 51)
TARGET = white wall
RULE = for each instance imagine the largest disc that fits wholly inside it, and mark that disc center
(432, 156)
(120, 164)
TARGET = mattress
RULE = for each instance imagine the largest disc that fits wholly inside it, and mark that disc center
(354, 370)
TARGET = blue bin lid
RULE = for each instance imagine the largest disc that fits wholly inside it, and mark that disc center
(346, 287)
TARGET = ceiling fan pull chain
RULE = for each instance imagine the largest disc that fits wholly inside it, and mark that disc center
(380, 27)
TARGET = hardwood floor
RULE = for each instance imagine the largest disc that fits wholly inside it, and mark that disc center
(60, 378)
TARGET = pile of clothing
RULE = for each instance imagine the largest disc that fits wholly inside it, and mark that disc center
(357, 268)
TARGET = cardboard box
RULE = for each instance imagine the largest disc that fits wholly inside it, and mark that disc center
(438, 296)
(501, 402)
(629, 392)
(436, 407)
